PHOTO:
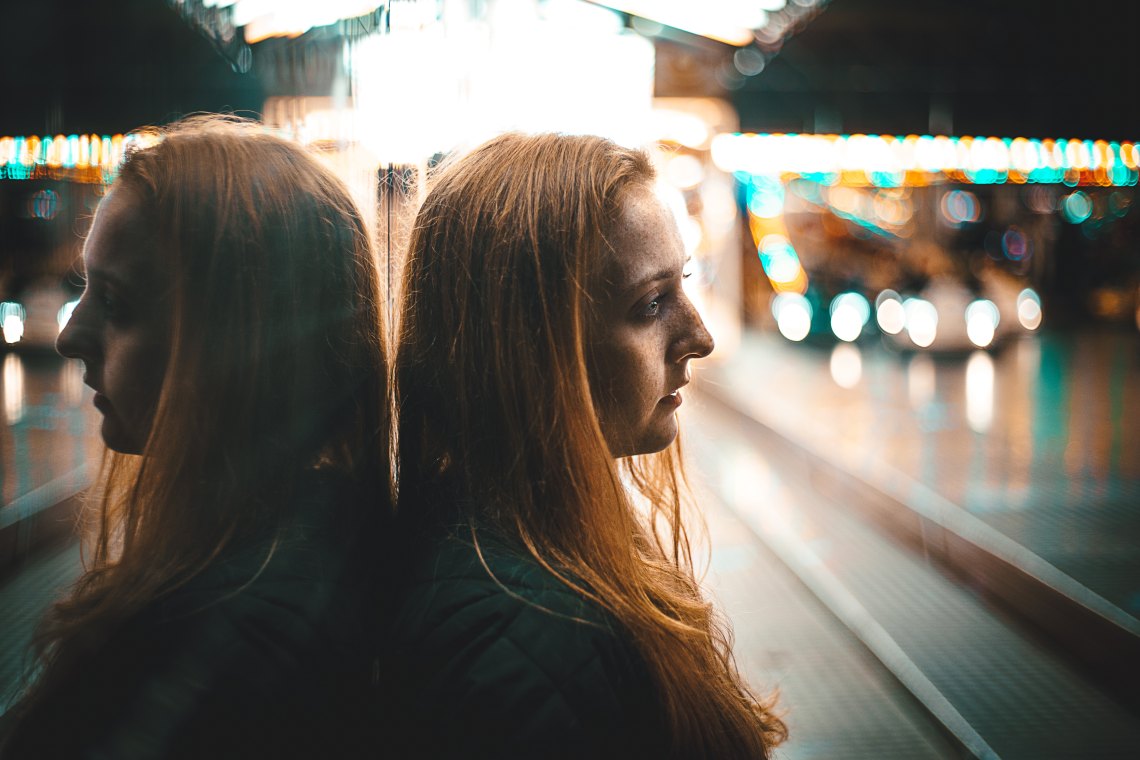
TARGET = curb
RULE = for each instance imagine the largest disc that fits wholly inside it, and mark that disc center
(39, 517)
(1084, 625)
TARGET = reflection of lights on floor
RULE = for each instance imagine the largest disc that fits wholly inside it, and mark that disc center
(71, 381)
(757, 495)
(13, 388)
(846, 365)
(1028, 361)
(980, 392)
(920, 380)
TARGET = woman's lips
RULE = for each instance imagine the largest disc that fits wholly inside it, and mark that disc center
(673, 399)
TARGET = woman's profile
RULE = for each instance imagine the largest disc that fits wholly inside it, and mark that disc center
(549, 606)
(231, 330)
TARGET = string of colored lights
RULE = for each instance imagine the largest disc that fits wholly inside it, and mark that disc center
(913, 160)
(865, 179)
(78, 158)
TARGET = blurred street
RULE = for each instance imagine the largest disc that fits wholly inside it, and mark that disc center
(912, 230)
(50, 434)
(807, 463)
(877, 648)
(1034, 441)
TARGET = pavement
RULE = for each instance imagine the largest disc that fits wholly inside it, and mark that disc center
(1015, 508)
(1038, 442)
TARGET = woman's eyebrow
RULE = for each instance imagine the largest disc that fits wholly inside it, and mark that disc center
(667, 273)
(134, 277)
(664, 274)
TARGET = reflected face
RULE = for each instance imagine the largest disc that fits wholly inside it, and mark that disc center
(119, 327)
(646, 333)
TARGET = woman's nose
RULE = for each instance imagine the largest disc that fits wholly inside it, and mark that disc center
(696, 341)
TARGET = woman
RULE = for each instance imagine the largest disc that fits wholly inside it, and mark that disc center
(550, 607)
(231, 331)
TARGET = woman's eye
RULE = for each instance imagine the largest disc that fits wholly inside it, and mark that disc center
(110, 306)
(652, 308)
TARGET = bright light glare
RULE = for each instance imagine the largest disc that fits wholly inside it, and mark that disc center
(12, 321)
(846, 365)
(849, 313)
(793, 315)
(921, 321)
(681, 127)
(463, 81)
(289, 18)
(1029, 309)
(981, 322)
(722, 20)
(64, 314)
(983, 160)
(889, 312)
(684, 171)
(13, 329)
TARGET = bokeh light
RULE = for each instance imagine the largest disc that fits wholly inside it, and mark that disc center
(793, 315)
(1076, 207)
(849, 313)
(981, 322)
(766, 197)
(1029, 309)
(889, 312)
(12, 317)
(684, 171)
(921, 321)
(748, 61)
(779, 259)
(1015, 245)
(891, 161)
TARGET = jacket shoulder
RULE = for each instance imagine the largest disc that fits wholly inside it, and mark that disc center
(522, 664)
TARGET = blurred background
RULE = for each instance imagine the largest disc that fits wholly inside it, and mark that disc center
(913, 237)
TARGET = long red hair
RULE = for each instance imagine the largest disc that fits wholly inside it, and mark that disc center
(506, 256)
(276, 366)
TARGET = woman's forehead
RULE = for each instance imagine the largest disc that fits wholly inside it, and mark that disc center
(646, 243)
(118, 244)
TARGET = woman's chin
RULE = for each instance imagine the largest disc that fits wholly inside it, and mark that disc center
(649, 441)
(117, 440)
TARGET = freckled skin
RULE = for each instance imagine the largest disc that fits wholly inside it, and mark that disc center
(646, 331)
(118, 329)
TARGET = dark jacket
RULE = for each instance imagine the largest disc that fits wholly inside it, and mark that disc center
(511, 666)
(249, 659)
